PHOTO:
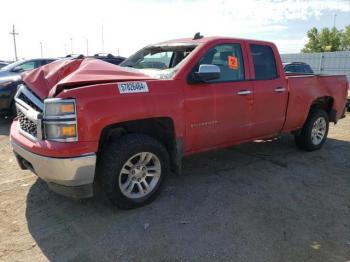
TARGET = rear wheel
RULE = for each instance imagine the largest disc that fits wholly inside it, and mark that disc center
(314, 132)
(132, 169)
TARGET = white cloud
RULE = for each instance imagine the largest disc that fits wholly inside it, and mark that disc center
(130, 25)
(264, 13)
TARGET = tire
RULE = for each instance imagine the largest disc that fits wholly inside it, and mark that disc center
(121, 164)
(308, 139)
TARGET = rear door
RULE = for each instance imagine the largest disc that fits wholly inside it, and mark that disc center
(270, 90)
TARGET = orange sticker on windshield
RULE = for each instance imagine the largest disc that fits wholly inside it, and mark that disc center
(232, 62)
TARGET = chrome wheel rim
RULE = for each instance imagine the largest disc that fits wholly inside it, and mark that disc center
(318, 130)
(139, 175)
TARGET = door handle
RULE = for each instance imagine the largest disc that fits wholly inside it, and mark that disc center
(244, 92)
(280, 89)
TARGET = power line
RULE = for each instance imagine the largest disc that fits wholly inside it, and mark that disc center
(14, 33)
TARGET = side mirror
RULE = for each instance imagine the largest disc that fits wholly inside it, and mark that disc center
(207, 73)
(17, 69)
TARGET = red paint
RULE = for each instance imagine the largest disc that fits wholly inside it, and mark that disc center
(205, 116)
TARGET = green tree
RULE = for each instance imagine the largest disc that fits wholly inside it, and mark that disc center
(327, 40)
(345, 39)
(313, 45)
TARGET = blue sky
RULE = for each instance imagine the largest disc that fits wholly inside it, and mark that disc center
(131, 24)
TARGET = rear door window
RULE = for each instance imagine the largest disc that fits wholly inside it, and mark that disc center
(264, 62)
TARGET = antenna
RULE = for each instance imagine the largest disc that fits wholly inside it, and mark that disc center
(197, 36)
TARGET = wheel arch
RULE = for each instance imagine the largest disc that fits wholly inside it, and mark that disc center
(159, 128)
(325, 103)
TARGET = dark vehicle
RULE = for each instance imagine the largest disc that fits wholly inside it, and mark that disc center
(298, 68)
(115, 60)
(109, 58)
(10, 78)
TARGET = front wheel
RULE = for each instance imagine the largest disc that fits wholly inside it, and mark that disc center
(132, 169)
(314, 132)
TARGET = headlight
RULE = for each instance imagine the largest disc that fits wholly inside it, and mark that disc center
(60, 131)
(56, 108)
(60, 120)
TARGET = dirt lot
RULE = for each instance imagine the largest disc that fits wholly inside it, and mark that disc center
(263, 201)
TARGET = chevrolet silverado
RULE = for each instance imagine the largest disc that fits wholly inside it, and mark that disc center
(82, 121)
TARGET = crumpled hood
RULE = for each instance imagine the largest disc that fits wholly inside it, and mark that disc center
(51, 79)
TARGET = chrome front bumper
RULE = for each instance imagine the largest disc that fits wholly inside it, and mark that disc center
(72, 177)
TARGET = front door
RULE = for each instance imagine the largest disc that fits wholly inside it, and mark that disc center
(219, 112)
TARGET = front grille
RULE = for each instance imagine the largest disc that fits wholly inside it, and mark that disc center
(29, 108)
(26, 124)
(26, 100)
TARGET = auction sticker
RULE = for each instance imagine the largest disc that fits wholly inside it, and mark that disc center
(132, 87)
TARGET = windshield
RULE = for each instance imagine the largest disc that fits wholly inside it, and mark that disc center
(160, 61)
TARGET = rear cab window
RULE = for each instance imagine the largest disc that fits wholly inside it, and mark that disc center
(264, 62)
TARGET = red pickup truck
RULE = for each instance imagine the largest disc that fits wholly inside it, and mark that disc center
(82, 121)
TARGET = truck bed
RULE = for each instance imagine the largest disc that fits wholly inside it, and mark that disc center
(302, 91)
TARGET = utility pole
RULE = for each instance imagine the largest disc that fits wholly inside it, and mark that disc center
(334, 19)
(13, 33)
(103, 41)
(71, 46)
(41, 49)
(87, 46)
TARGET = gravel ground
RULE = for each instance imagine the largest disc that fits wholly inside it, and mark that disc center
(262, 201)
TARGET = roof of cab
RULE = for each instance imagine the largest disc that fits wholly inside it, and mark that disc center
(208, 39)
